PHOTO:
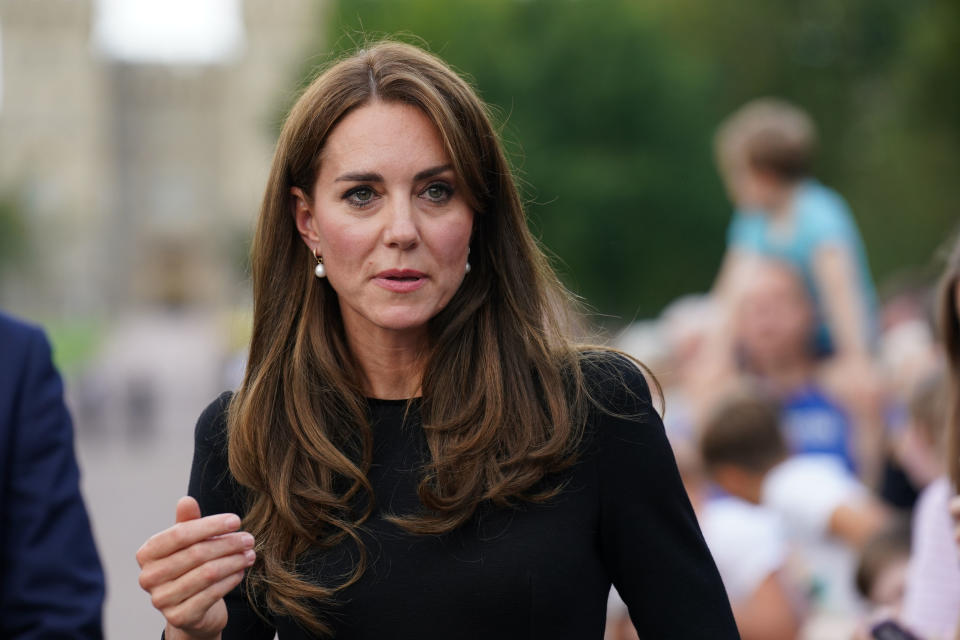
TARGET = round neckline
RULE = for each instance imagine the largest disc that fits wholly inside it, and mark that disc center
(397, 402)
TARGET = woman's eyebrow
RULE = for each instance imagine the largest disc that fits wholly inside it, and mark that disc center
(360, 177)
(434, 171)
(376, 177)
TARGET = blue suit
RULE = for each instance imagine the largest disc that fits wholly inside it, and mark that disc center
(51, 581)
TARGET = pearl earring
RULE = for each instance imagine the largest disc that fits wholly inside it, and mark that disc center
(467, 268)
(320, 271)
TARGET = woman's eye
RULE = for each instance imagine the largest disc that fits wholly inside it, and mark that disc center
(438, 192)
(359, 196)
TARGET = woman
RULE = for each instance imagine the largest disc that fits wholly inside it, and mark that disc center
(416, 450)
(931, 603)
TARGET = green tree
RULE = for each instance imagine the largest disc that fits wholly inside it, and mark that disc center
(608, 109)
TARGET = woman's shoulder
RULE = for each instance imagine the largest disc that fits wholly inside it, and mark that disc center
(621, 410)
(211, 482)
(212, 424)
(615, 382)
(210, 433)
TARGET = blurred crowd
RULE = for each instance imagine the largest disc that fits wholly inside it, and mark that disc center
(809, 419)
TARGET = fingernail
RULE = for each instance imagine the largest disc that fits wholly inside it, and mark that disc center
(231, 520)
(247, 540)
(250, 555)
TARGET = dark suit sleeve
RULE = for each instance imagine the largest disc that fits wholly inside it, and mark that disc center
(52, 581)
(217, 492)
(650, 540)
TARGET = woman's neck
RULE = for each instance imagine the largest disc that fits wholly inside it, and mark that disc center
(391, 362)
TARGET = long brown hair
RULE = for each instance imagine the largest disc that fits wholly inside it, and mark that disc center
(503, 400)
(949, 321)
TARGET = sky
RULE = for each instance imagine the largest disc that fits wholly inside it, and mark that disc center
(169, 31)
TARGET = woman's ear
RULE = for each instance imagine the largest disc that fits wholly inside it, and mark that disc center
(302, 210)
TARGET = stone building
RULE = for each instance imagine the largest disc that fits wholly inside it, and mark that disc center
(137, 178)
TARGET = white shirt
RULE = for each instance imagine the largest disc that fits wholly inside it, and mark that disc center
(804, 491)
(747, 543)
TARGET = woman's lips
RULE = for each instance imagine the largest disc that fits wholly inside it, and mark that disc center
(400, 280)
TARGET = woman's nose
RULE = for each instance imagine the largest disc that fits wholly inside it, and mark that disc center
(401, 229)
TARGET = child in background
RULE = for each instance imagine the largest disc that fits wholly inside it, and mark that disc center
(765, 151)
(825, 511)
(750, 548)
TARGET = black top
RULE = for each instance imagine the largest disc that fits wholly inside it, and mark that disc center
(538, 571)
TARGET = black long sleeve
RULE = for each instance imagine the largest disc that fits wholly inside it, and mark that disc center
(538, 571)
(650, 540)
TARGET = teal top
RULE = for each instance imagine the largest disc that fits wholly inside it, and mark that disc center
(820, 218)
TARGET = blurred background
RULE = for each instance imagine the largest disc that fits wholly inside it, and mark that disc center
(136, 137)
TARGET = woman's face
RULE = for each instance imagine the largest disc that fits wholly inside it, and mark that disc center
(388, 218)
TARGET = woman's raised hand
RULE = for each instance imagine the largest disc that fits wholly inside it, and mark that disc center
(188, 568)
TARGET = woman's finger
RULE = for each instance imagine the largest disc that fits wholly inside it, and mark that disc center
(191, 613)
(177, 564)
(187, 509)
(172, 593)
(184, 534)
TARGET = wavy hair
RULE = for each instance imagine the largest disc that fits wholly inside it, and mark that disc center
(503, 399)
(948, 319)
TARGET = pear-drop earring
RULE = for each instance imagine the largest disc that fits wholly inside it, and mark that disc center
(320, 271)
(467, 268)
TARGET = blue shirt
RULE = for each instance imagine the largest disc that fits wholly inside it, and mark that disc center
(819, 218)
(815, 424)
